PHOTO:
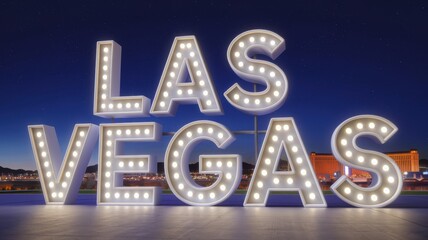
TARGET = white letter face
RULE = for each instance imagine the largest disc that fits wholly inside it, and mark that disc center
(61, 180)
(239, 54)
(184, 60)
(107, 100)
(112, 165)
(386, 176)
(282, 135)
(228, 167)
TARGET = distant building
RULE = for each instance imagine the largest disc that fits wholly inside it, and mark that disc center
(326, 166)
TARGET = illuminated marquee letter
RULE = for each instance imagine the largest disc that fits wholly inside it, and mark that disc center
(185, 59)
(112, 165)
(64, 187)
(282, 135)
(239, 52)
(228, 167)
(107, 100)
(386, 176)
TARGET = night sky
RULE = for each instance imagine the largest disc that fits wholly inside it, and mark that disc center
(341, 60)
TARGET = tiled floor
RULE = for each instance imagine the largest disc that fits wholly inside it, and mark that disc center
(25, 217)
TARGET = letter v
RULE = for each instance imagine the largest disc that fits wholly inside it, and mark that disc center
(60, 181)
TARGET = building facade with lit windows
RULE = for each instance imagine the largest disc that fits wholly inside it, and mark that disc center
(326, 166)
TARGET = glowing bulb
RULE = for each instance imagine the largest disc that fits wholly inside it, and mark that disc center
(175, 153)
(259, 184)
(385, 168)
(108, 154)
(289, 180)
(256, 196)
(276, 181)
(347, 190)
(200, 196)
(348, 130)
(360, 196)
(294, 149)
(386, 190)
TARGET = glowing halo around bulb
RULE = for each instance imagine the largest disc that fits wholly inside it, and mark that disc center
(60, 180)
(107, 100)
(239, 54)
(112, 165)
(266, 178)
(228, 167)
(185, 61)
(386, 176)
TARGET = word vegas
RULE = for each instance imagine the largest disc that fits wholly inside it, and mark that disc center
(60, 181)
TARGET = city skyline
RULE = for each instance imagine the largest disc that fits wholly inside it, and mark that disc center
(340, 60)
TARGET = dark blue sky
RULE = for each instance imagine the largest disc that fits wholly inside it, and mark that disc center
(341, 59)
